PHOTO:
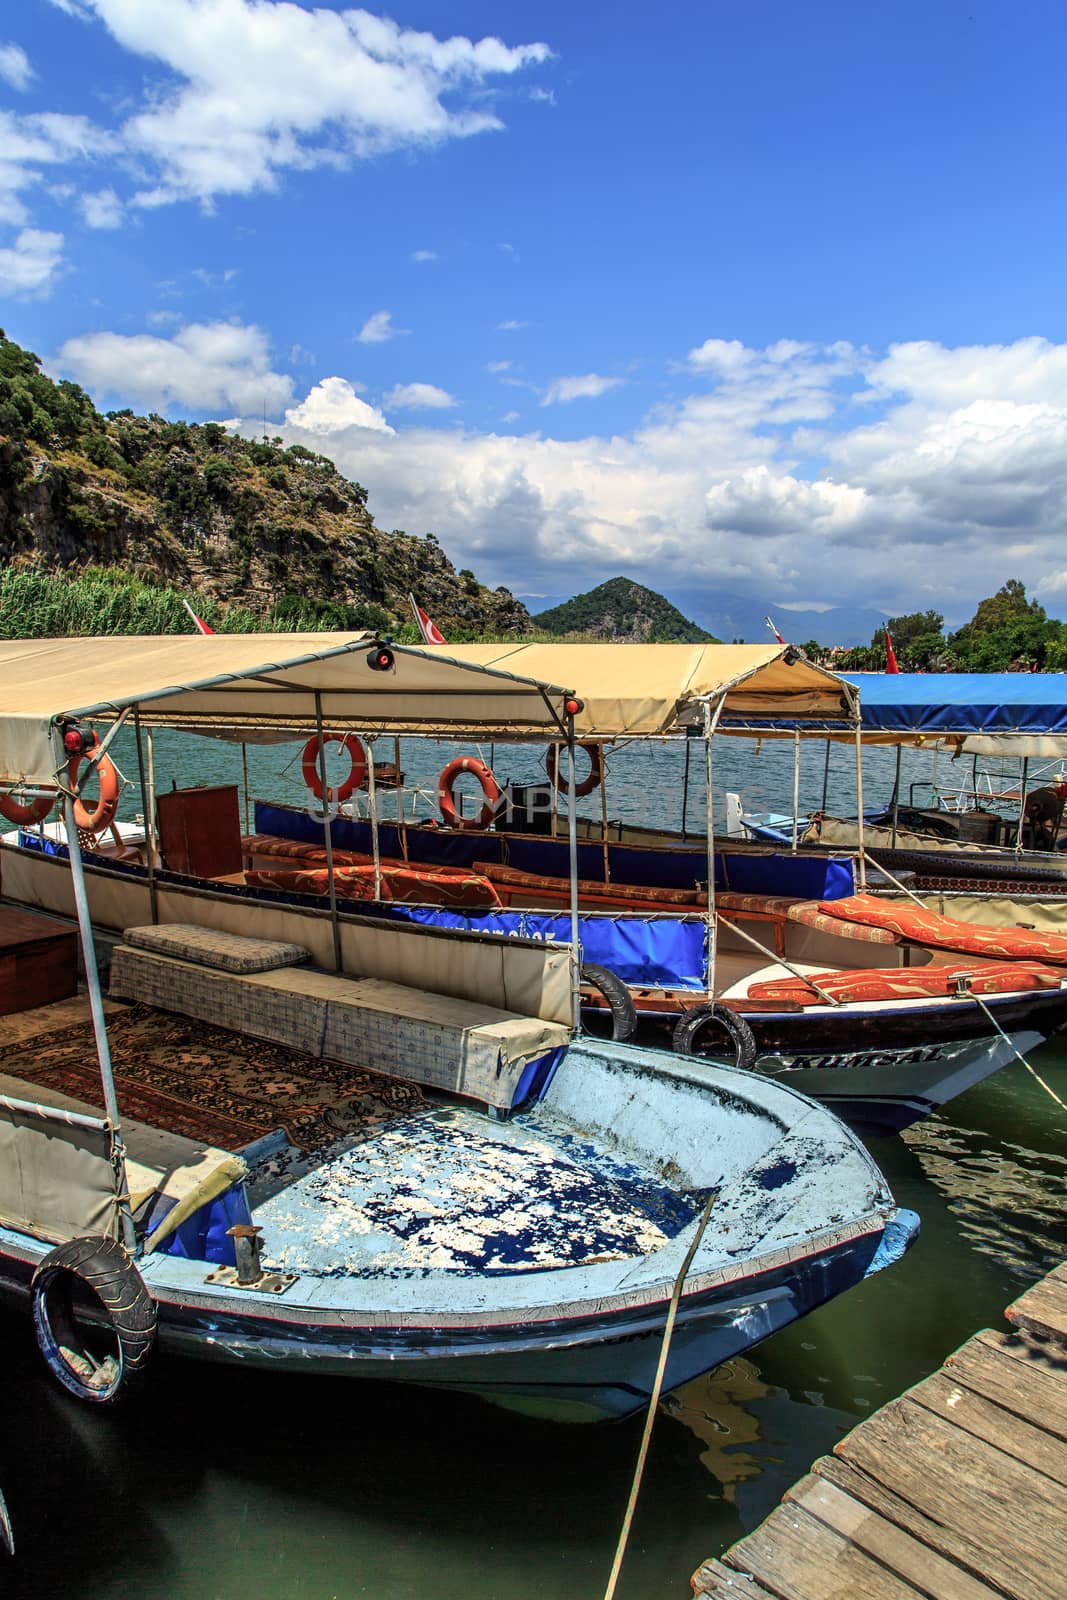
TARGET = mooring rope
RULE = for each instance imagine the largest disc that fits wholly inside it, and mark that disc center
(642, 1454)
(1018, 1056)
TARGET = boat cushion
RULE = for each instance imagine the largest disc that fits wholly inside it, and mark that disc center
(810, 915)
(436, 886)
(207, 947)
(588, 888)
(928, 927)
(460, 1045)
(767, 905)
(908, 983)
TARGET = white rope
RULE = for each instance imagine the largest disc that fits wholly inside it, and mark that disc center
(1047, 1088)
(642, 1454)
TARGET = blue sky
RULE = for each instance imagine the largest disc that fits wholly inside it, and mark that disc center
(762, 300)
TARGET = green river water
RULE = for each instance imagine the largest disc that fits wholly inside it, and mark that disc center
(222, 1485)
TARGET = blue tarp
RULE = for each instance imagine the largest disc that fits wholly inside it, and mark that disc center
(962, 702)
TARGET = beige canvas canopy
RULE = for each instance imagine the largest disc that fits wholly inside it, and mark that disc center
(253, 682)
(644, 689)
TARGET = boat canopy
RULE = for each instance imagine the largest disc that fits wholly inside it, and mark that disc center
(259, 683)
(645, 689)
(994, 713)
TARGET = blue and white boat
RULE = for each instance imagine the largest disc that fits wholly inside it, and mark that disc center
(517, 1231)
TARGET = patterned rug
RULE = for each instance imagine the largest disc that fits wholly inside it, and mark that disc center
(211, 1085)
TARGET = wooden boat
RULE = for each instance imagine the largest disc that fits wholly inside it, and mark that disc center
(514, 1227)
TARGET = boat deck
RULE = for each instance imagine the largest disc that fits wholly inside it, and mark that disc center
(956, 1491)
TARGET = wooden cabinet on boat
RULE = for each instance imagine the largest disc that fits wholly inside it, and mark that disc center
(200, 830)
(38, 961)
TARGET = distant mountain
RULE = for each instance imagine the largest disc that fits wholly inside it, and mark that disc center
(736, 617)
(623, 611)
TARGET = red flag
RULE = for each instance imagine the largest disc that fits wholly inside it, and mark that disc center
(774, 630)
(890, 654)
(430, 633)
(202, 626)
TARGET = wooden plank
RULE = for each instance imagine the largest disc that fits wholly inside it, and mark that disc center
(931, 1574)
(1042, 1310)
(993, 1565)
(986, 1420)
(1002, 1369)
(797, 1557)
(962, 1482)
(723, 1583)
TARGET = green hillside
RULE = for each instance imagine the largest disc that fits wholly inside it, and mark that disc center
(106, 521)
(624, 611)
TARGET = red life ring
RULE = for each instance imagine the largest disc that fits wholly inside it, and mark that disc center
(35, 811)
(446, 799)
(103, 815)
(593, 778)
(357, 771)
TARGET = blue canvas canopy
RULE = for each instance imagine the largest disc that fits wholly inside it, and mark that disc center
(941, 705)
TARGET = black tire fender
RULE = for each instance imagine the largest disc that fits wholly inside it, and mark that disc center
(102, 1267)
(618, 997)
(688, 1029)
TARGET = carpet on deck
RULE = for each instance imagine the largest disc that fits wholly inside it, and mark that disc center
(212, 1085)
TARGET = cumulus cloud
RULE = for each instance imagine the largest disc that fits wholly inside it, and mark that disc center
(103, 209)
(252, 89)
(562, 390)
(29, 267)
(760, 480)
(31, 145)
(206, 366)
(418, 397)
(333, 406)
(15, 69)
(378, 329)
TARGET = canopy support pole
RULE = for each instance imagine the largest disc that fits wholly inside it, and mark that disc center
(572, 841)
(711, 722)
(604, 815)
(149, 820)
(375, 843)
(96, 1006)
(896, 797)
(859, 801)
(796, 787)
(327, 818)
(244, 779)
(1022, 801)
(685, 788)
(826, 779)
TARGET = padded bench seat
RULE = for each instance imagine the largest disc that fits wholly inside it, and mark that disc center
(456, 1045)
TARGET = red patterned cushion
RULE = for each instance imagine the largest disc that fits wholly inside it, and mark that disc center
(947, 933)
(809, 915)
(513, 878)
(907, 983)
(408, 885)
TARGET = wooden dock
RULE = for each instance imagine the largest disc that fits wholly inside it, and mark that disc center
(956, 1491)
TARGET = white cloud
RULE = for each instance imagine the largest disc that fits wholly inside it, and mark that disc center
(497, 366)
(205, 367)
(44, 140)
(424, 255)
(15, 69)
(378, 329)
(163, 319)
(418, 397)
(255, 88)
(562, 390)
(333, 406)
(103, 209)
(510, 326)
(29, 267)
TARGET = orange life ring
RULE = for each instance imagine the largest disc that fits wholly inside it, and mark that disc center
(101, 818)
(446, 799)
(593, 778)
(357, 771)
(35, 811)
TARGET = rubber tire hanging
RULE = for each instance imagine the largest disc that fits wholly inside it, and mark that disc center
(689, 1028)
(103, 1267)
(620, 1002)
